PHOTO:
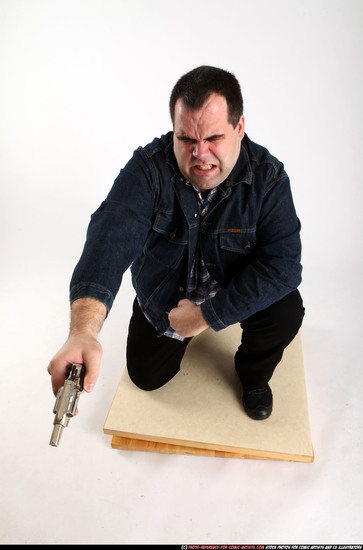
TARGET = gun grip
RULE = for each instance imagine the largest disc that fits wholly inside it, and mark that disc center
(72, 373)
(81, 379)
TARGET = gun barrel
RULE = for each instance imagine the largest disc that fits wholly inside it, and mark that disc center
(56, 435)
(66, 402)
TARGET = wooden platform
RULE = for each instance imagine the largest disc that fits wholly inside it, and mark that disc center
(199, 412)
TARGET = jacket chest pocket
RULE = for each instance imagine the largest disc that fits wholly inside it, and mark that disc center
(166, 225)
(238, 241)
(168, 240)
(234, 252)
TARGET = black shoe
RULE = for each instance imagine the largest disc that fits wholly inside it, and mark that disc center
(258, 402)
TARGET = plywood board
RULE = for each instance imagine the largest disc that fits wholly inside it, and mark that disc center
(200, 410)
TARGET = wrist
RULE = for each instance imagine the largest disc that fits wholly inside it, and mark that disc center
(87, 317)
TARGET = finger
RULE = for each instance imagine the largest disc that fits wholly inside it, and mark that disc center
(172, 313)
(58, 376)
(92, 366)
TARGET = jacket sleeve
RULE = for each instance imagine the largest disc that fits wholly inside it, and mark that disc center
(274, 270)
(116, 233)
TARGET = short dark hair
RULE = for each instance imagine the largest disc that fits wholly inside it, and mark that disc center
(195, 87)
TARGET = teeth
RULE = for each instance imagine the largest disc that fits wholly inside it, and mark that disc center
(205, 166)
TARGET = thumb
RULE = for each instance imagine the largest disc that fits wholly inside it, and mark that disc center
(92, 369)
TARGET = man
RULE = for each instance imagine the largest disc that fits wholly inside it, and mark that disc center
(206, 220)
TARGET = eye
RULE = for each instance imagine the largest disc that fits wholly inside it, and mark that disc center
(185, 139)
(215, 138)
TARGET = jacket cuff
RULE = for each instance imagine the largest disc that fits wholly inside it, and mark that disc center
(211, 316)
(92, 290)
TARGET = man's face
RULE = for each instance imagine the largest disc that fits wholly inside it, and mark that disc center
(206, 145)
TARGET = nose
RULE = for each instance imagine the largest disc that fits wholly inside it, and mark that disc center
(200, 149)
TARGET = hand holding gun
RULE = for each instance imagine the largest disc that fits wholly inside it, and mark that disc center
(66, 402)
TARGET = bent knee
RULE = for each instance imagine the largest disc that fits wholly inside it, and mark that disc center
(287, 315)
(147, 380)
(142, 380)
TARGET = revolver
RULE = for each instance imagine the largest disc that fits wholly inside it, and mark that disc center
(66, 402)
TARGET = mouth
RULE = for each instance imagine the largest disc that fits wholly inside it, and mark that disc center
(204, 168)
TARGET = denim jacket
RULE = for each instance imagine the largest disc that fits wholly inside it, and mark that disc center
(249, 240)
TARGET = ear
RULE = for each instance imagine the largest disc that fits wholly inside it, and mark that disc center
(241, 127)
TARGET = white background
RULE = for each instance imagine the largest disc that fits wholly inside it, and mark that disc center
(82, 84)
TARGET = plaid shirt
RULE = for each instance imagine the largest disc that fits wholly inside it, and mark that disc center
(200, 285)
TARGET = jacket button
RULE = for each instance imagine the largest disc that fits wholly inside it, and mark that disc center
(181, 289)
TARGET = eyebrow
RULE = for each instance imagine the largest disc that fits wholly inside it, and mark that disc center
(185, 137)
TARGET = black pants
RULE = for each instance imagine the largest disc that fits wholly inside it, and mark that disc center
(152, 361)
